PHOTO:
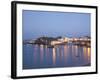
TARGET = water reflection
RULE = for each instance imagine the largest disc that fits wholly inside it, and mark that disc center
(60, 56)
(89, 54)
(65, 53)
(54, 56)
(41, 52)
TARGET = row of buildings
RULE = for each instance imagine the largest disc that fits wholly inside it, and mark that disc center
(51, 41)
(81, 40)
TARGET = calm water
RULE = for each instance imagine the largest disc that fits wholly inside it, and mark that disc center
(35, 56)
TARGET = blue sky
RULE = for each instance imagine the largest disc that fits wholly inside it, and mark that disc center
(53, 24)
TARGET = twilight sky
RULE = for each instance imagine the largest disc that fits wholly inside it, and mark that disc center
(53, 24)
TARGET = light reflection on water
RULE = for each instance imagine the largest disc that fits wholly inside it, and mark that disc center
(40, 56)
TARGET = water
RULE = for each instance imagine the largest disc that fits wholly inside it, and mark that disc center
(68, 55)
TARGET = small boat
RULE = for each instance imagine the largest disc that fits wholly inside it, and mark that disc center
(50, 46)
